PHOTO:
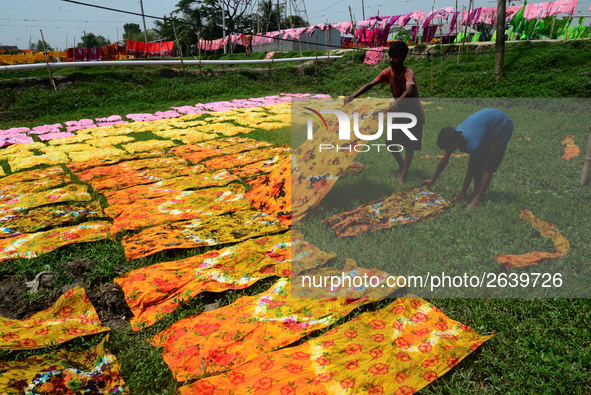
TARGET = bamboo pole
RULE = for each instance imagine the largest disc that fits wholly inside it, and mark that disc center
(587, 160)
(468, 27)
(177, 43)
(199, 49)
(327, 37)
(47, 62)
(316, 62)
(441, 42)
(459, 31)
(354, 36)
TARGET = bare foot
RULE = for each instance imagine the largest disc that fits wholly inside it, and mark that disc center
(473, 205)
(401, 180)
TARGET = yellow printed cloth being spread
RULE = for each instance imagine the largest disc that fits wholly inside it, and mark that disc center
(273, 194)
(164, 187)
(156, 290)
(10, 191)
(68, 193)
(355, 168)
(396, 350)
(32, 175)
(95, 371)
(197, 152)
(401, 207)
(546, 229)
(78, 167)
(229, 228)
(260, 167)
(71, 316)
(115, 170)
(42, 217)
(244, 158)
(32, 245)
(230, 336)
(571, 149)
(178, 206)
(150, 145)
(52, 158)
(316, 172)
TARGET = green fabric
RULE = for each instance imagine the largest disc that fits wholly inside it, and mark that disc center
(475, 37)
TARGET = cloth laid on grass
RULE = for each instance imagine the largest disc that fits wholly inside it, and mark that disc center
(53, 158)
(355, 168)
(178, 206)
(253, 182)
(66, 148)
(71, 316)
(401, 207)
(107, 153)
(25, 201)
(79, 138)
(260, 167)
(229, 228)
(18, 188)
(42, 217)
(34, 244)
(208, 149)
(104, 172)
(78, 167)
(150, 145)
(546, 229)
(109, 141)
(396, 350)
(571, 149)
(273, 194)
(165, 187)
(230, 336)
(2, 173)
(156, 290)
(95, 371)
(32, 175)
(185, 134)
(314, 173)
(144, 176)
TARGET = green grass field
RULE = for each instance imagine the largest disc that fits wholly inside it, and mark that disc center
(542, 345)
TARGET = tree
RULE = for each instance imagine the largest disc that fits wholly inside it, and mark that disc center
(130, 29)
(298, 21)
(270, 16)
(38, 47)
(90, 40)
(486, 31)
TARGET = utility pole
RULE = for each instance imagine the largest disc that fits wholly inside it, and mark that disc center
(224, 25)
(363, 8)
(144, 19)
(500, 42)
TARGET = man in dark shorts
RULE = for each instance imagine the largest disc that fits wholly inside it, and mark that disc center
(484, 135)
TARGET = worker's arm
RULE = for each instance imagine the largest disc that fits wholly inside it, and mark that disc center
(440, 167)
(361, 91)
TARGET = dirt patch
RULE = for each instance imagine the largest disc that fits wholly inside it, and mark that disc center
(15, 304)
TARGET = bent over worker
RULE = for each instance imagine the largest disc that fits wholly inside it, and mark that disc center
(484, 135)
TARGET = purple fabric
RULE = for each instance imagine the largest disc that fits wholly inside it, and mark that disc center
(452, 25)
(429, 33)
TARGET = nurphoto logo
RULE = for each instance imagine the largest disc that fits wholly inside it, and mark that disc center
(345, 129)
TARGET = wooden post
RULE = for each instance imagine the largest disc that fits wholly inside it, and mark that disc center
(459, 34)
(552, 30)
(441, 42)
(587, 160)
(47, 62)
(354, 37)
(470, 9)
(327, 36)
(500, 42)
(177, 43)
(316, 62)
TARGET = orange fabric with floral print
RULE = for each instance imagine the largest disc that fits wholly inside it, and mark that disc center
(77, 167)
(26, 201)
(9, 191)
(229, 228)
(32, 175)
(261, 167)
(396, 350)
(244, 158)
(226, 146)
(571, 149)
(71, 316)
(546, 229)
(115, 170)
(273, 193)
(228, 337)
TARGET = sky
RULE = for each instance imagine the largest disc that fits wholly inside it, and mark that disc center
(63, 22)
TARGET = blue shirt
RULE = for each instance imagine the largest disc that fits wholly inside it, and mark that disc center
(482, 128)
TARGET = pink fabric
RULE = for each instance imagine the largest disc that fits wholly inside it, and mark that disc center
(488, 15)
(511, 11)
(367, 24)
(403, 20)
(167, 114)
(374, 56)
(46, 129)
(563, 6)
(270, 55)
(344, 27)
(418, 16)
(58, 135)
(78, 125)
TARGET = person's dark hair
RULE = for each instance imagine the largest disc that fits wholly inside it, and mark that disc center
(447, 138)
(398, 47)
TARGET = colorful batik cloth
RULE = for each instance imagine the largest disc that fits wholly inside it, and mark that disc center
(260, 167)
(81, 166)
(571, 149)
(229, 228)
(25, 201)
(107, 153)
(79, 138)
(9, 191)
(244, 158)
(272, 125)
(16, 148)
(253, 182)
(178, 206)
(197, 137)
(273, 194)
(355, 168)
(400, 208)
(154, 291)
(42, 217)
(2, 173)
(396, 350)
(546, 229)
(230, 336)
(71, 316)
(32, 175)
(66, 148)
(130, 166)
(53, 158)
(314, 173)
(208, 149)
(149, 145)
(109, 141)
(95, 372)
(165, 187)
(32, 245)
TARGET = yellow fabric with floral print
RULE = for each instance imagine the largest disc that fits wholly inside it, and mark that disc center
(244, 158)
(71, 316)
(107, 153)
(52, 158)
(396, 350)
(109, 141)
(25, 201)
(79, 138)
(149, 145)
(32, 175)
(571, 150)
